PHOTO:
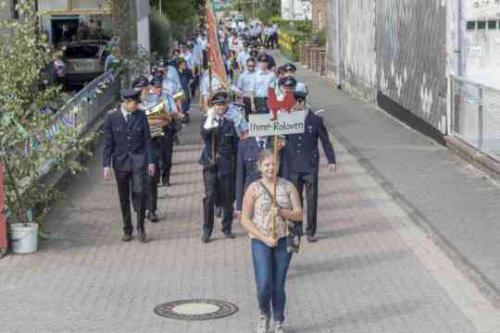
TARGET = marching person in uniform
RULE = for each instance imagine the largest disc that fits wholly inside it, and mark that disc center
(289, 70)
(158, 120)
(247, 170)
(264, 78)
(301, 156)
(141, 84)
(246, 85)
(206, 83)
(127, 147)
(218, 160)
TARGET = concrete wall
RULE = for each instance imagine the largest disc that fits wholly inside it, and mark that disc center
(411, 56)
(394, 49)
(482, 42)
(357, 38)
(143, 33)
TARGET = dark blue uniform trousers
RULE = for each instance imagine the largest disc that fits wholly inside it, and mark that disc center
(135, 180)
(309, 181)
(219, 190)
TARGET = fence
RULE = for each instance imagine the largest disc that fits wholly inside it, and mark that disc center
(90, 102)
(313, 57)
(81, 111)
(475, 116)
(87, 106)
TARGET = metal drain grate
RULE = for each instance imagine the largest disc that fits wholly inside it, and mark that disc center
(197, 309)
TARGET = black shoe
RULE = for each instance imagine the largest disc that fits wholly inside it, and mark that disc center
(126, 238)
(152, 217)
(165, 181)
(229, 235)
(205, 238)
(311, 239)
(141, 235)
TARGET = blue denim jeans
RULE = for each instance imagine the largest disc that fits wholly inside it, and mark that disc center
(271, 266)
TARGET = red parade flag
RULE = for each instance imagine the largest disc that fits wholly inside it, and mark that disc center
(214, 52)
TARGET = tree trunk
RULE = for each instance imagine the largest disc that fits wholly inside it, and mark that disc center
(124, 16)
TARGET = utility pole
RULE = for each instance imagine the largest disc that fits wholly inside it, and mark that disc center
(160, 8)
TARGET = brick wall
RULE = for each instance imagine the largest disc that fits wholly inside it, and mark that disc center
(319, 13)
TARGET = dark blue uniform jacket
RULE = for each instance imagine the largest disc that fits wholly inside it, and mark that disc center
(226, 145)
(127, 145)
(301, 152)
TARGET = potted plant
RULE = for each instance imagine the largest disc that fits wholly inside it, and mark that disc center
(33, 137)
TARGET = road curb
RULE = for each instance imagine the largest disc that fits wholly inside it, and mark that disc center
(479, 159)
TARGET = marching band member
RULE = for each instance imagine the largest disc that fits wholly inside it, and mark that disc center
(218, 160)
(127, 148)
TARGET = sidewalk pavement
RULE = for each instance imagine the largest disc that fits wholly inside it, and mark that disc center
(456, 204)
(373, 270)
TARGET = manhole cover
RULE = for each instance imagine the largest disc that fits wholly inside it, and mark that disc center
(196, 309)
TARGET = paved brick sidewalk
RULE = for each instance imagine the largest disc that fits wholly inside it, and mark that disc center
(372, 271)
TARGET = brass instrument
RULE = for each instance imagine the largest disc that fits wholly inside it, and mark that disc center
(179, 95)
(157, 112)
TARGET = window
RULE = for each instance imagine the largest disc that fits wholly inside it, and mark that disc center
(481, 25)
(492, 25)
(471, 25)
(82, 51)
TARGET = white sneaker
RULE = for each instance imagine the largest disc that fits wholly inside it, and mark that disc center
(263, 326)
(278, 327)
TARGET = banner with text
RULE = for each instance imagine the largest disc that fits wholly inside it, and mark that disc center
(284, 124)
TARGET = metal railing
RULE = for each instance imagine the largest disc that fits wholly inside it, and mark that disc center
(83, 109)
(475, 115)
(90, 102)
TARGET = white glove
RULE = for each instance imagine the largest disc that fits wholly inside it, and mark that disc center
(211, 121)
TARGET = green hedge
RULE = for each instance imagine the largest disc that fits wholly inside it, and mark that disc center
(304, 26)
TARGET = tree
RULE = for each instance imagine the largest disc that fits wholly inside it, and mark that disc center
(29, 138)
(264, 10)
(182, 15)
(124, 17)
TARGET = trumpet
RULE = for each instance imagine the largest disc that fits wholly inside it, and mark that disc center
(155, 114)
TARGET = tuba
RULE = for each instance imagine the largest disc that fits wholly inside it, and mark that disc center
(156, 112)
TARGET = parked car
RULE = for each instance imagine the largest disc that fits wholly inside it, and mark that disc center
(84, 61)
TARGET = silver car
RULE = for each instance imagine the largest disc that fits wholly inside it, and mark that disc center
(84, 61)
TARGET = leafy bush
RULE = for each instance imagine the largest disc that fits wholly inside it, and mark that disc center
(161, 36)
(29, 136)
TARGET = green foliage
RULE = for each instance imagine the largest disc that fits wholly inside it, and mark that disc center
(28, 140)
(301, 26)
(264, 10)
(181, 14)
(161, 35)
(319, 38)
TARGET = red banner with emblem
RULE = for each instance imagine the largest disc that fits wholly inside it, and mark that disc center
(3, 226)
(214, 52)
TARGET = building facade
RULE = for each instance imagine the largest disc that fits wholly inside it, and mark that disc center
(482, 42)
(59, 16)
(319, 14)
(296, 9)
(393, 53)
